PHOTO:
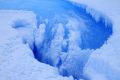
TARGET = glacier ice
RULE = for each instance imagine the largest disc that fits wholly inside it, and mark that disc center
(17, 61)
(65, 36)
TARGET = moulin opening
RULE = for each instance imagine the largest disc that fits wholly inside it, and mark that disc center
(65, 36)
(69, 45)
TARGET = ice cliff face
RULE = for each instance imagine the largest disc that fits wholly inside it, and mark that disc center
(65, 35)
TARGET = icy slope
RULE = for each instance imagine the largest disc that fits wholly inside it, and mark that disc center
(104, 63)
(65, 37)
(17, 61)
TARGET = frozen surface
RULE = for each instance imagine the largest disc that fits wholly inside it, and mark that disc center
(71, 37)
(104, 63)
(17, 61)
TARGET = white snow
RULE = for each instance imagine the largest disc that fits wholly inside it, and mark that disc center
(104, 63)
(17, 61)
(39, 35)
(16, 58)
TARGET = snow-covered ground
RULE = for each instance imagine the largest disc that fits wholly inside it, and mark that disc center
(17, 61)
(104, 63)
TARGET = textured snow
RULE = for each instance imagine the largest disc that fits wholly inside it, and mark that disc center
(17, 61)
(104, 63)
(19, 35)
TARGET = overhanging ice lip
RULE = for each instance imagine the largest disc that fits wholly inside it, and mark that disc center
(66, 26)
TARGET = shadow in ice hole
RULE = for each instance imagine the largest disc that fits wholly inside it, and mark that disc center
(68, 32)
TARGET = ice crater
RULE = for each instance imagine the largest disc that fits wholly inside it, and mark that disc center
(66, 33)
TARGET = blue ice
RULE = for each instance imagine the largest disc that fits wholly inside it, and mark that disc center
(68, 28)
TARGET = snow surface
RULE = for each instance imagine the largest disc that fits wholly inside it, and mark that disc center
(18, 34)
(17, 61)
(104, 63)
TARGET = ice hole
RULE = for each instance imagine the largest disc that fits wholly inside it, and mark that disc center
(68, 37)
